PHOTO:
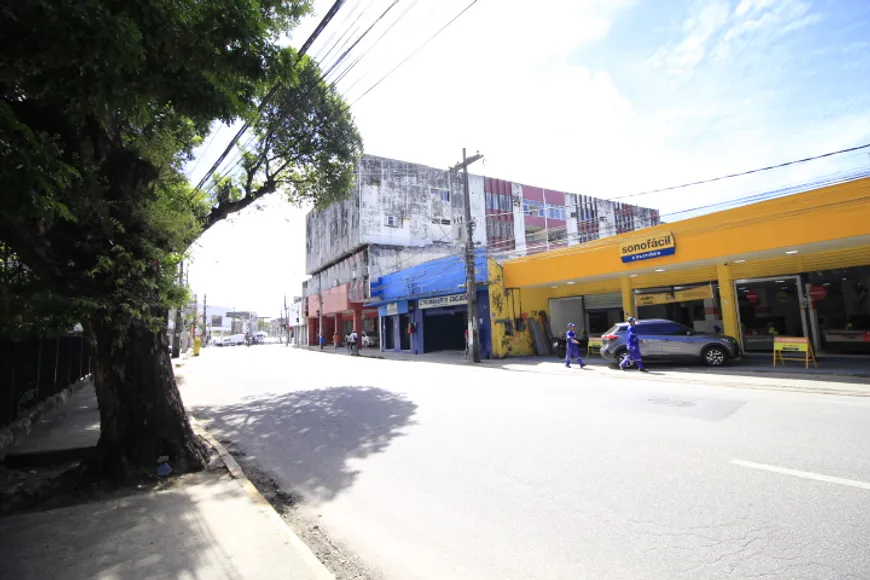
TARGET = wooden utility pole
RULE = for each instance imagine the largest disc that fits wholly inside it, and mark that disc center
(470, 277)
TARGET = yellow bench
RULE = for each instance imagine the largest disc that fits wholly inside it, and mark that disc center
(594, 346)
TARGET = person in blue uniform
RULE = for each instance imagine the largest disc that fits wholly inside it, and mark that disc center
(633, 348)
(572, 347)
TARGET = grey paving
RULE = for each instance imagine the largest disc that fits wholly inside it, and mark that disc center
(63, 433)
(209, 530)
(434, 471)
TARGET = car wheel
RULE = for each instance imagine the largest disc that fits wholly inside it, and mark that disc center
(715, 356)
(621, 357)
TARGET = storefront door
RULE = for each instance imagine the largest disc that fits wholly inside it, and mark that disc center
(769, 307)
(389, 332)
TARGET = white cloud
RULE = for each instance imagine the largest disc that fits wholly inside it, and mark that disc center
(506, 79)
(714, 30)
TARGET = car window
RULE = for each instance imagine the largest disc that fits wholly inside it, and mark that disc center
(672, 329)
(662, 329)
(651, 329)
(617, 329)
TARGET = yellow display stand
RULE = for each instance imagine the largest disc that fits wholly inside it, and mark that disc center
(594, 346)
(197, 345)
(793, 348)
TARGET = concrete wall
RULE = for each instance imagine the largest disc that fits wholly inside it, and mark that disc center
(399, 215)
(407, 204)
(332, 233)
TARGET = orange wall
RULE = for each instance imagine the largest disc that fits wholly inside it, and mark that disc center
(827, 214)
(336, 299)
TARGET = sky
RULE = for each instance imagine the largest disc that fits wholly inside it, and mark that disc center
(608, 98)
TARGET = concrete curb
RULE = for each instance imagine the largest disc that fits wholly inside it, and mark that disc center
(301, 548)
(20, 428)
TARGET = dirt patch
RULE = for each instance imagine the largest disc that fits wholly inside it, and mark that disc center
(339, 560)
(68, 484)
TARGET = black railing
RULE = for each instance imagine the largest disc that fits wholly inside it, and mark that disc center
(33, 370)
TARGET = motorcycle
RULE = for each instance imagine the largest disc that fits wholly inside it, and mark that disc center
(560, 346)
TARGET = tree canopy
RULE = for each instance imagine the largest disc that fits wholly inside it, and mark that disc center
(102, 102)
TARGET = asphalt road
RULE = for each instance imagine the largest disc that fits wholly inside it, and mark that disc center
(439, 471)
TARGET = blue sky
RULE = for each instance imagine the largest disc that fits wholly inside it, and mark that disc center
(603, 97)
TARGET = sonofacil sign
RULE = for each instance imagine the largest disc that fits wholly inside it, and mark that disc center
(663, 245)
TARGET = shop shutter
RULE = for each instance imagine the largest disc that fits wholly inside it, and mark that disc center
(603, 301)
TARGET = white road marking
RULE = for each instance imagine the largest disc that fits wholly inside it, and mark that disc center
(803, 474)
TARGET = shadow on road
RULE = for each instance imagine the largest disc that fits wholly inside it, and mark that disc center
(308, 438)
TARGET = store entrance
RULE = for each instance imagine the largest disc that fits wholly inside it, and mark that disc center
(841, 309)
(600, 321)
(444, 331)
(770, 307)
(389, 333)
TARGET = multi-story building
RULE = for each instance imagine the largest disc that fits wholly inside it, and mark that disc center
(523, 219)
(401, 214)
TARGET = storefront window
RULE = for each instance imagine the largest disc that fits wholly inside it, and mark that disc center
(695, 307)
(841, 301)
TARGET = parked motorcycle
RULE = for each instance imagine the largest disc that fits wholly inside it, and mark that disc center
(560, 346)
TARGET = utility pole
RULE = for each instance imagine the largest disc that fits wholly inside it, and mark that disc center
(176, 332)
(205, 332)
(287, 318)
(470, 277)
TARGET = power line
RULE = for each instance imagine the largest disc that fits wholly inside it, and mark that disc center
(418, 49)
(321, 78)
(343, 56)
(317, 31)
(741, 174)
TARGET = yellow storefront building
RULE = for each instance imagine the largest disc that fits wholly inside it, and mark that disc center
(797, 265)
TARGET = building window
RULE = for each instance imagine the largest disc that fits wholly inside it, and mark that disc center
(444, 194)
(533, 208)
(555, 212)
(392, 221)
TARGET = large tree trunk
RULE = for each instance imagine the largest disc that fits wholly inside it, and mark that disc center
(141, 414)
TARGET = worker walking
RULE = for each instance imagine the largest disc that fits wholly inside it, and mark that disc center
(572, 347)
(633, 348)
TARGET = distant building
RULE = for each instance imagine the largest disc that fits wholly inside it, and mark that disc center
(400, 215)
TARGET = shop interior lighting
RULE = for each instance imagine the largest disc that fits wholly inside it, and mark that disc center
(632, 276)
(790, 252)
(660, 270)
(570, 283)
(739, 261)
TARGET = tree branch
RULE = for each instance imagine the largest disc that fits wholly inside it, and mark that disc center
(225, 209)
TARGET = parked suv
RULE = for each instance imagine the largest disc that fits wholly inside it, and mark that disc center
(665, 340)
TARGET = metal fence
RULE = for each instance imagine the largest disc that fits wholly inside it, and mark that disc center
(33, 370)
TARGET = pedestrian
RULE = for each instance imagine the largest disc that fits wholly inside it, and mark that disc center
(465, 353)
(572, 347)
(352, 341)
(633, 348)
(322, 340)
(335, 340)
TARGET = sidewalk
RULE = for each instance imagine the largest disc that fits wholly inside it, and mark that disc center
(835, 375)
(208, 526)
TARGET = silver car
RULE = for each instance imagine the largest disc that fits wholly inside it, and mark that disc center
(665, 340)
